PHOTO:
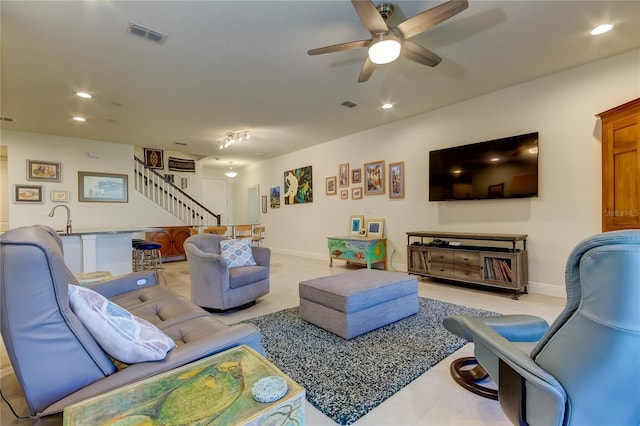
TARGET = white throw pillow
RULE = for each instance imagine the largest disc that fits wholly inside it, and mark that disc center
(121, 334)
(237, 252)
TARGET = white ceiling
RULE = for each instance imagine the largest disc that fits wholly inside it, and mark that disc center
(235, 65)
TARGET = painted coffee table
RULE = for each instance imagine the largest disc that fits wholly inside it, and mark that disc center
(217, 390)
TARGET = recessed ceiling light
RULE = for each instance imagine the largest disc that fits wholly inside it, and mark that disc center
(494, 159)
(84, 95)
(387, 106)
(601, 29)
(81, 119)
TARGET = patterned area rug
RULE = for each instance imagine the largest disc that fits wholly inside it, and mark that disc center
(345, 379)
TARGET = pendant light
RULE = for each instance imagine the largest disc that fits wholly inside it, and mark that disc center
(230, 173)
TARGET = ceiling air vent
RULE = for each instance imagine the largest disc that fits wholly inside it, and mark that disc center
(146, 32)
(349, 104)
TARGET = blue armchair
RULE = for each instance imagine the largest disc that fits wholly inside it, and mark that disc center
(582, 370)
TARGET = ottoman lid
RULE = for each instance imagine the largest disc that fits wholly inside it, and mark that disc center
(357, 290)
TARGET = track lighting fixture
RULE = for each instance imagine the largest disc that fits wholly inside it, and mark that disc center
(234, 137)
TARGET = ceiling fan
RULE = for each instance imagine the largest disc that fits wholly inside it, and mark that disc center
(386, 44)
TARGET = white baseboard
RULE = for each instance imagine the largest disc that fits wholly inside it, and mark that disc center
(547, 289)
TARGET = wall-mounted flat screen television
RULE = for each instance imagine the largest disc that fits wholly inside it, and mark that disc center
(500, 168)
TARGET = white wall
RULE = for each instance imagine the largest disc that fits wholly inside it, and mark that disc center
(561, 107)
(72, 154)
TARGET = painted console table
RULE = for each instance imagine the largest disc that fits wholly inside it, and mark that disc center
(361, 250)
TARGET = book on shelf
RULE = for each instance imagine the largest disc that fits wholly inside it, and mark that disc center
(498, 269)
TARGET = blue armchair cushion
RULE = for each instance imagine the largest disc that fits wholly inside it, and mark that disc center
(121, 334)
(237, 252)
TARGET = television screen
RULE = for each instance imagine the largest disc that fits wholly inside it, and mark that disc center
(501, 168)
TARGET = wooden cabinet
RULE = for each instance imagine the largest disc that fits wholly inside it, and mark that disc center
(172, 240)
(621, 167)
(488, 261)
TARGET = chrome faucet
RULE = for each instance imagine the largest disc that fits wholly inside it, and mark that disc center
(53, 210)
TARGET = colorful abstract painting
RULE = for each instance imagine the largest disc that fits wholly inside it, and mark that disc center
(274, 195)
(298, 186)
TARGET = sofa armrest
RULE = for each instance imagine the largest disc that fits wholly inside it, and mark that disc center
(515, 328)
(262, 255)
(124, 283)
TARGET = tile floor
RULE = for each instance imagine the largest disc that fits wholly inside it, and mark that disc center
(432, 399)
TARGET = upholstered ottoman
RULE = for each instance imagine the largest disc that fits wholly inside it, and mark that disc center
(357, 302)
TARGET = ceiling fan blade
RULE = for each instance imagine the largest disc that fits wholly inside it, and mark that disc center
(370, 17)
(419, 54)
(367, 69)
(430, 18)
(339, 47)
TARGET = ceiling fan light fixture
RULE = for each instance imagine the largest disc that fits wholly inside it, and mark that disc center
(384, 51)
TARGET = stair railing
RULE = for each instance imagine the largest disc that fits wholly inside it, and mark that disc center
(174, 200)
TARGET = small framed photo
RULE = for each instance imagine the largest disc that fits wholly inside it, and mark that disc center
(43, 171)
(356, 193)
(396, 180)
(344, 194)
(28, 194)
(356, 175)
(374, 180)
(343, 174)
(264, 204)
(375, 228)
(330, 186)
(59, 196)
(153, 158)
(103, 187)
(356, 225)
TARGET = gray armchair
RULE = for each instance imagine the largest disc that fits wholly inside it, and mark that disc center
(583, 369)
(217, 287)
(55, 358)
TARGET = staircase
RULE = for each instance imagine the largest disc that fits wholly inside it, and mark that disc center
(169, 197)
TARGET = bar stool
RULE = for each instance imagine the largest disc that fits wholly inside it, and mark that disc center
(146, 256)
(258, 236)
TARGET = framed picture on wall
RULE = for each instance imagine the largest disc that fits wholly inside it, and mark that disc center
(356, 193)
(60, 196)
(343, 174)
(344, 194)
(43, 171)
(153, 158)
(330, 186)
(374, 180)
(103, 187)
(28, 194)
(356, 175)
(396, 180)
